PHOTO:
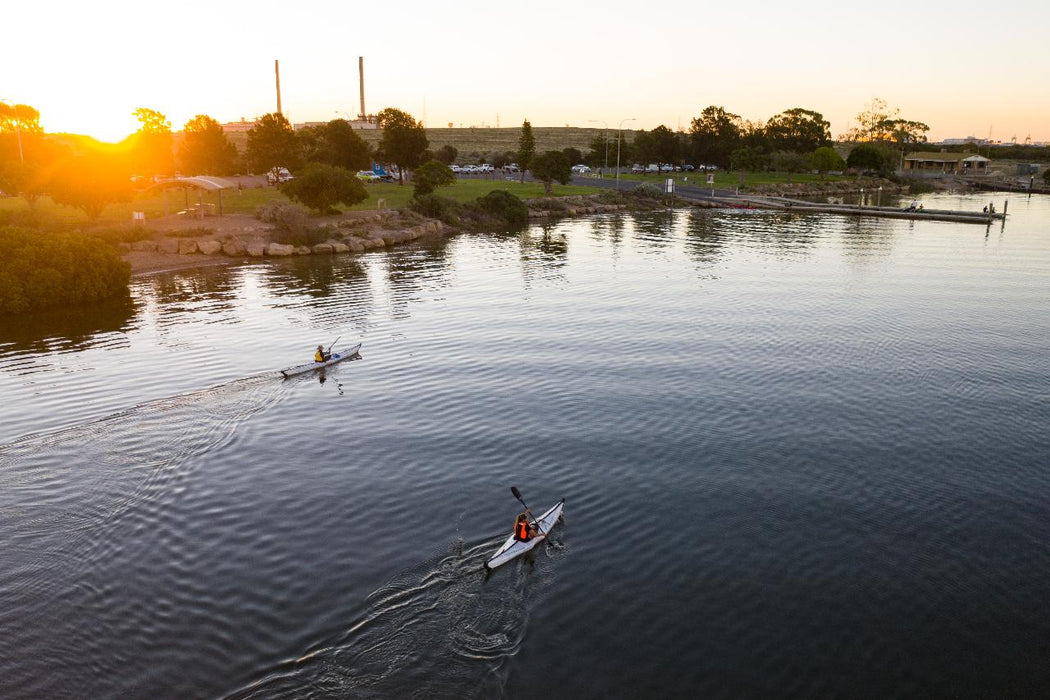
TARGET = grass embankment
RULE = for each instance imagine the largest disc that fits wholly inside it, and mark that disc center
(164, 203)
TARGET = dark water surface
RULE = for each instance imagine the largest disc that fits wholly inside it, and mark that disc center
(801, 455)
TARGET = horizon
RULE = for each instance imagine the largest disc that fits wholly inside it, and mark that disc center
(465, 69)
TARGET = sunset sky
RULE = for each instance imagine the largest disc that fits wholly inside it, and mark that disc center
(963, 67)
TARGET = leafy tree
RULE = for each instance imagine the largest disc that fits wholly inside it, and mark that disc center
(866, 157)
(430, 176)
(714, 135)
(599, 153)
(151, 145)
(403, 140)
(205, 148)
(644, 146)
(549, 167)
(19, 129)
(336, 143)
(91, 182)
(321, 187)
(748, 158)
(43, 268)
(1046, 176)
(25, 179)
(667, 145)
(573, 155)
(826, 158)
(272, 144)
(798, 130)
(788, 162)
(505, 205)
(870, 119)
(446, 154)
(526, 148)
(903, 131)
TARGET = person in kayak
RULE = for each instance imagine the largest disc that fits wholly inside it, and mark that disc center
(321, 355)
(523, 529)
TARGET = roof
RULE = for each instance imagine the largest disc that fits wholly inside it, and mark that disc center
(938, 157)
(202, 182)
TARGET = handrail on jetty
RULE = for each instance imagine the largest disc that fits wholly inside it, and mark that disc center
(800, 205)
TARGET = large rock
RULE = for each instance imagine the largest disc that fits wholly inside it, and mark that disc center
(355, 244)
(209, 247)
(340, 248)
(187, 246)
(322, 249)
(168, 245)
(255, 249)
(302, 250)
(234, 248)
(280, 250)
(145, 246)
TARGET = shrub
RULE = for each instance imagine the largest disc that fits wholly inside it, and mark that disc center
(506, 206)
(430, 176)
(291, 224)
(436, 207)
(54, 269)
(321, 187)
(646, 190)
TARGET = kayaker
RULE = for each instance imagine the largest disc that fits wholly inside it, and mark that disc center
(321, 355)
(523, 529)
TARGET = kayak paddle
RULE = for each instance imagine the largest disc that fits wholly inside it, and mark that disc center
(517, 495)
(333, 345)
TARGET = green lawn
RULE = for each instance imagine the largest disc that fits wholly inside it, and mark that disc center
(246, 201)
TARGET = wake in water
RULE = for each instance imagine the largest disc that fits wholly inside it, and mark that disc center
(444, 629)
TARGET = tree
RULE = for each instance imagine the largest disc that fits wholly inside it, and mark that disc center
(599, 153)
(321, 187)
(826, 158)
(430, 176)
(446, 154)
(151, 145)
(403, 140)
(714, 135)
(205, 148)
(272, 144)
(869, 119)
(666, 145)
(644, 146)
(573, 155)
(799, 130)
(1046, 176)
(336, 143)
(526, 148)
(865, 157)
(749, 159)
(549, 167)
(91, 182)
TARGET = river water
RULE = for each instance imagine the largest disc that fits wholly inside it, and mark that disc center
(801, 455)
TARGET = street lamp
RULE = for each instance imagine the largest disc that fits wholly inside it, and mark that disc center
(878, 197)
(605, 138)
(18, 129)
(629, 119)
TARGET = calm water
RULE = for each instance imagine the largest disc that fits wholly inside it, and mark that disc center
(801, 455)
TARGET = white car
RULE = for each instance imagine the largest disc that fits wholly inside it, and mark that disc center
(581, 169)
(278, 174)
(455, 168)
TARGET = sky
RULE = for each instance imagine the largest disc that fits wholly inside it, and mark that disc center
(965, 68)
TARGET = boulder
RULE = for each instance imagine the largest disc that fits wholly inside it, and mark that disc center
(279, 250)
(255, 249)
(168, 245)
(322, 249)
(355, 244)
(302, 250)
(187, 246)
(340, 248)
(145, 246)
(209, 247)
(234, 248)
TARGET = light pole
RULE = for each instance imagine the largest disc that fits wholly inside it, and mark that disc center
(18, 129)
(629, 119)
(605, 138)
(878, 197)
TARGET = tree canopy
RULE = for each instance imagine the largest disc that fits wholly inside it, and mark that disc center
(404, 140)
(526, 148)
(798, 130)
(336, 143)
(826, 158)
(430, 176)
(549, 167)
(714, 135)
(321, 187)
(272, 144)
(205, 148)
(151, 152)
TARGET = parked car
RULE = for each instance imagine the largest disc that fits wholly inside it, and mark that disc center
(653, 168)
(637, 169)
(511, 167)
(367, 176)
(688, 168)
(455, 168)
(580, 169)
(278, 174)
(666, 168)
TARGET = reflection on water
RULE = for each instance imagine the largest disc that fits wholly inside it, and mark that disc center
(66, 329)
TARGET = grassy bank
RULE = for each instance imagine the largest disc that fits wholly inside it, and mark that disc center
(165, 203)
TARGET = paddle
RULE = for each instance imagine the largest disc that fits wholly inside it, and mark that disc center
(517, 495)
(333, 345)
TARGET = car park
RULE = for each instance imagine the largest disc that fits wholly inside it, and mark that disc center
(277, 175)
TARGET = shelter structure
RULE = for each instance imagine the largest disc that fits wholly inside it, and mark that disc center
(202, 184)
(948, 163)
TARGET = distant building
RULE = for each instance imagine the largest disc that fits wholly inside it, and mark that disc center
(948, 163)
(237, 127)
(354, 124)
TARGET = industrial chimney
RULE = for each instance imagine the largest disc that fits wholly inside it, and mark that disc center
(361, 69)
(277, 72)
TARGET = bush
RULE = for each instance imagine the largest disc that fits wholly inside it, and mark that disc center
(437, 207)
(506, 206)
(55, 269)
(430, 176)
(291, 224)
(321, 187)
(646, 190)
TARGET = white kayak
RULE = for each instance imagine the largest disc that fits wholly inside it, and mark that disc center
(515, 548)
(310, 366)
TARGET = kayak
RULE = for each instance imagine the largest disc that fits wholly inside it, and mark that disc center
(513, 548)
(336, 357)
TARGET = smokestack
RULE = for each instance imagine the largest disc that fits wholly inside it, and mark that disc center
(361, 70)
(277, 73)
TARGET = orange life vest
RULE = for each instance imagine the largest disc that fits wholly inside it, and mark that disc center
(522, 530)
